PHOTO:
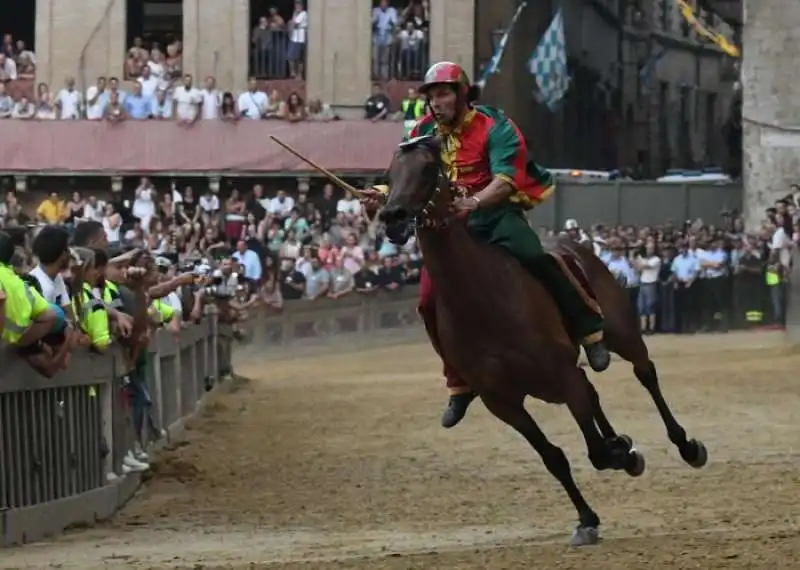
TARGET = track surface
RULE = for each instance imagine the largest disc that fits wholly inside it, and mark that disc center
(338, 462)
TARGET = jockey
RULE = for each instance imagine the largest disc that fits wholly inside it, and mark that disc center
(486, 157)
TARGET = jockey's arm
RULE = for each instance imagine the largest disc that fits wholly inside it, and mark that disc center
(498, 190)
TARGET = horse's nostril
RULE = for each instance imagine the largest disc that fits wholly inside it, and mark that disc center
(394, 214)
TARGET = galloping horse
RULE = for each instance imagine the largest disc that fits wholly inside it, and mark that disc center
(504, 335)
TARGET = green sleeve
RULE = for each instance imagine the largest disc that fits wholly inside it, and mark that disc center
(507, 149)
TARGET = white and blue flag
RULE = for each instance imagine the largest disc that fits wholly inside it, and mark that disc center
(493, 65)
(548, 64)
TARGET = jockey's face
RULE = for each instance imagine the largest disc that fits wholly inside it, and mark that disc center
(443, 99)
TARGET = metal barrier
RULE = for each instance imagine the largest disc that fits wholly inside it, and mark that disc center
(402, 56)
(60, 437)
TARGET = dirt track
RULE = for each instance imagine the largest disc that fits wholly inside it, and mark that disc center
(338, 462)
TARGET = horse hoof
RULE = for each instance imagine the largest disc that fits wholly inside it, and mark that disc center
(626, 441)
(636, 463)
(585, 536)
(700, 454)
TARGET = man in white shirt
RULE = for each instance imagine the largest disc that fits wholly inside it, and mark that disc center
(8, 68)
(281, 205)
(96, 100)
(298, 27)
(350, 206)
(149, 83)
(69, 101)
(212, 99)
(253, 103)
(187, 101)
(51, 247)
(209, 204)
(94, 209)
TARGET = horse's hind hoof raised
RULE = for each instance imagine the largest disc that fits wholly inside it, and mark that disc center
(636, 464)
(698, 456)
(585, 536)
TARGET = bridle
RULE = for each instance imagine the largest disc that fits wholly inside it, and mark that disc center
(422, 217)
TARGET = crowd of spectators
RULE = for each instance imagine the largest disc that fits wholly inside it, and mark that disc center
(278, 45)
(16, 60)
(400, 40)
(153, 98)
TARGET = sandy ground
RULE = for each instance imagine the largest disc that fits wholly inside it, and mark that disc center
(338, 462)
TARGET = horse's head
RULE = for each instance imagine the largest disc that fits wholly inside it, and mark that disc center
(419, 188)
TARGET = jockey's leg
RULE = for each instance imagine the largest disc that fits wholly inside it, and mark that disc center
(508, 228)
(460, 393)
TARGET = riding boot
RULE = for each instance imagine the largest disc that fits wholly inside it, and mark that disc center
(460, 394)
(584, 322)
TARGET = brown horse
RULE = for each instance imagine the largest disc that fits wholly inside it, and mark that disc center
(504, 335)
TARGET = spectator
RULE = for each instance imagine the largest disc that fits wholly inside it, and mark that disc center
(249, 260)
(161, 106)
(94, 209)
(290, 248)
(137, 106)
(115, 112)
(187, 100)
(276, 109)
(253, 103)
(411, 42)
(318, 280)
(75, 210)
(365, 281)
(149, 84)
(320, 112)
(52, 209)
(341, 280)
(51, 248)
(6, 103)
(390, 276)
(26, 66)
(96, 100)
(8, 68)
(234, 216)
(281, 205)
(270, 291)
(69, 101)
(45, 110)
(112, 224)
(384, 23)
(649, 265)
(298, 27)
(209, 206)
(228, 110)
(293, 283)
(212, 99)
(144, 202)
(412, 108)
(295, 108)
(173, 63)
(376, 107)
(685, 269)
(23, 109)
(113, 88)
(352, 254)
(349, 206)
(297, 224)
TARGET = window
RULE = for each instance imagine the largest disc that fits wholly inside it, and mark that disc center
(154, 38)
(19, 32)
(278, 39)
(400, 41)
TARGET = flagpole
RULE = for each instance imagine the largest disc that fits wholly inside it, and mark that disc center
(493, 65)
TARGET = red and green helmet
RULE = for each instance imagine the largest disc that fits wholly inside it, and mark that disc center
(446, 72)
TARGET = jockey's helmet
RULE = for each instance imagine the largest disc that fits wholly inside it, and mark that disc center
(446, 72)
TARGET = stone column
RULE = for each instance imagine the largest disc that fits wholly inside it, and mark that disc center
(771, 103)
(452, 33)
(216, 38)
(339, 51)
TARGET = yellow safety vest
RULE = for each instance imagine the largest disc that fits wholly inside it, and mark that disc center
(93, 318)
(21, 301)
(773, 278)
(162, 310)
(111, 296)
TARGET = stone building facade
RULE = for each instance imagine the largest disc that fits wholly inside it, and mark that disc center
(645, 93)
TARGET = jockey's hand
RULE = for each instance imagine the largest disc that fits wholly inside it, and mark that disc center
(463, 206)
(372, 199)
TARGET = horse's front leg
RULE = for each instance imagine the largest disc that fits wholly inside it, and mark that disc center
(510, 409)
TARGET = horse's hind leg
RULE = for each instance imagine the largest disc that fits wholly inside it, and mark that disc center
(513, 413)
(692, 451)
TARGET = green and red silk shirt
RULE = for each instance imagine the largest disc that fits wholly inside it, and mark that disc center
(487, 144)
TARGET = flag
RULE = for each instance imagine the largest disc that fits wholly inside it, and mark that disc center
(548, 64)
(648, 69)
(707, 32)
(493, 66)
